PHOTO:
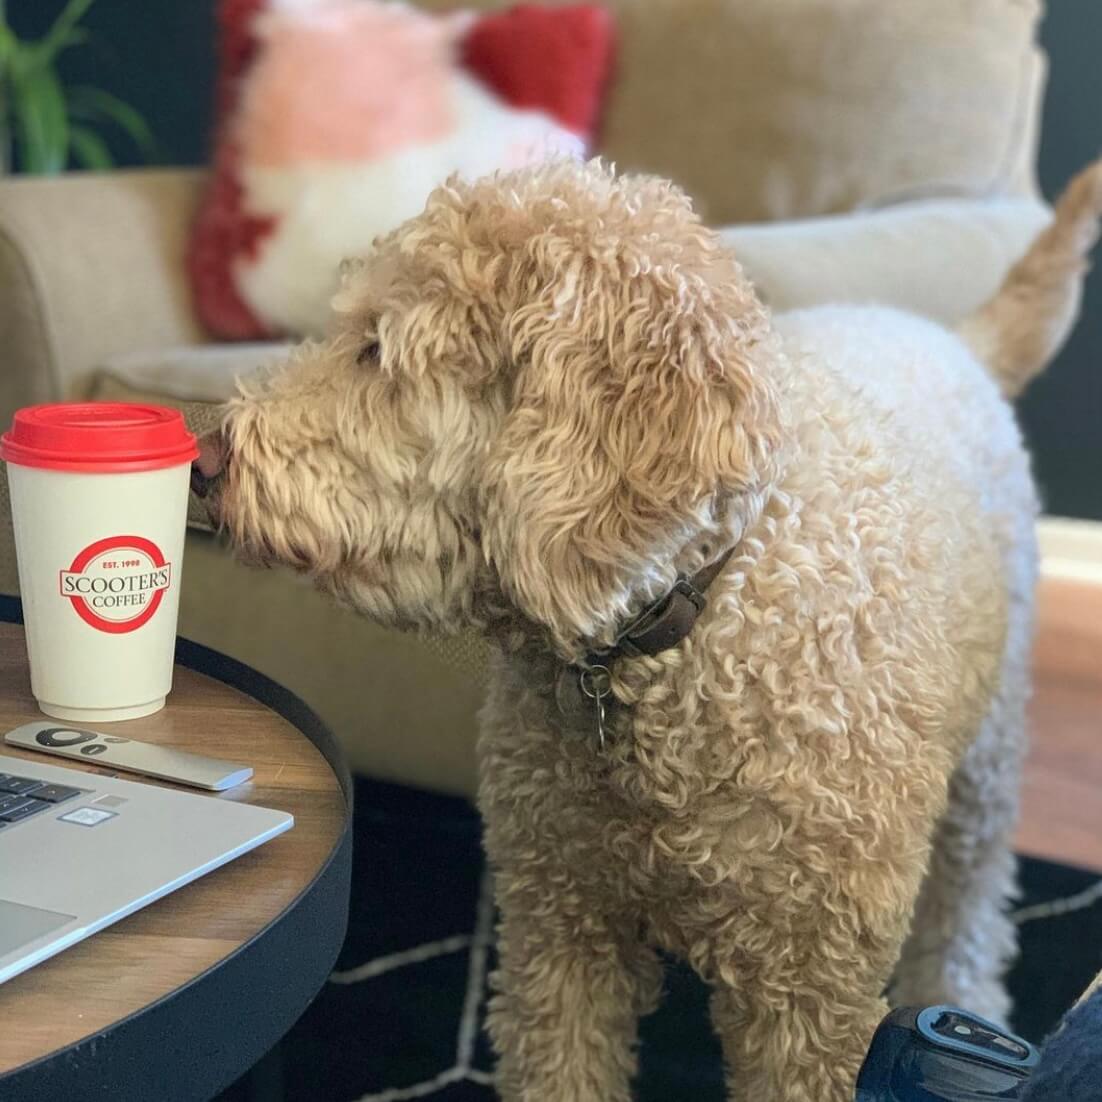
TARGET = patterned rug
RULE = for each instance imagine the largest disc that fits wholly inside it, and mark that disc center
(402, 1015)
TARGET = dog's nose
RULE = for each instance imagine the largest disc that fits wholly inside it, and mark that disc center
(214, 454)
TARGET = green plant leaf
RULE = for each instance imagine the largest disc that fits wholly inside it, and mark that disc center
(57, 37)
(42, 55)
(89, 149)
(42, 124)
(47, 88)
(76, 37)
(30, 136)
(96, 105)
(19, 59)
(8, 45)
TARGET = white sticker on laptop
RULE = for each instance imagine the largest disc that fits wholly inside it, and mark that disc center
(87, 816)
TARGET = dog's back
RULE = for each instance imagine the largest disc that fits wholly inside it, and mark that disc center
(878, 397)
(910, 383)
(912, 396)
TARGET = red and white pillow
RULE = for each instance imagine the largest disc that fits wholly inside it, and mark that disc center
(338, 117)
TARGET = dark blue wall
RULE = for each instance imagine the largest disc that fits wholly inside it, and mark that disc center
(158, 55)
(1062, 412)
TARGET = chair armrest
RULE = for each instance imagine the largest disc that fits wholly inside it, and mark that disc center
(937, 258)
(91, 265)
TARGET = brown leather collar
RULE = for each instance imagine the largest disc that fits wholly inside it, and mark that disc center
(659, 627)
(665, 622)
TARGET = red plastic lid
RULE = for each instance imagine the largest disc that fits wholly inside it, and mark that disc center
(98, 438)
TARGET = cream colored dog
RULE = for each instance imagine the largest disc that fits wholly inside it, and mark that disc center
(547, 398)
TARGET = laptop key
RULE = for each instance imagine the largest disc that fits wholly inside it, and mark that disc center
(55, 793)
(18, 786)
(22, 809)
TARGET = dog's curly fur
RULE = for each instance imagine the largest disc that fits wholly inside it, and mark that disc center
(544, 399)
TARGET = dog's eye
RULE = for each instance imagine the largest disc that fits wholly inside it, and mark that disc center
(369, 354)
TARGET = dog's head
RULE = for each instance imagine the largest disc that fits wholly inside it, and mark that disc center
(546, 393)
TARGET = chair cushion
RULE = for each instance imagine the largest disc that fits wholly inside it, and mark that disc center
(190, 373)
(940, 258)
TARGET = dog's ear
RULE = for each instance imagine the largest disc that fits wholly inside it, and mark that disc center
(642, 417)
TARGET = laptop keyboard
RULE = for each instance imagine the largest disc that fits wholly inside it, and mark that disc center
(22, 797)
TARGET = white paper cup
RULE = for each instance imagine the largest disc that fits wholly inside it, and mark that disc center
(99, 506)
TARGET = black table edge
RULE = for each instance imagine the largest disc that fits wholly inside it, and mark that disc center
(194, 1041)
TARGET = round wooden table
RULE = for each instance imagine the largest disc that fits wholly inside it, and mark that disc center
(175, 1002)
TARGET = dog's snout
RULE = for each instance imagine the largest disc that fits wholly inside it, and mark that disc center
(214, 455)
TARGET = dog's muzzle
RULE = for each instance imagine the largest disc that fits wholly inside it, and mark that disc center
(208, 472)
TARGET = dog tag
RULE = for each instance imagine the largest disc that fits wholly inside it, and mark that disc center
(596, 683)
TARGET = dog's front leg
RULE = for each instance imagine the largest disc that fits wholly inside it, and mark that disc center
(796, 1024)
(569, 991)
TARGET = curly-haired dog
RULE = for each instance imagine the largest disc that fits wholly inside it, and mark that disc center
(545, 400)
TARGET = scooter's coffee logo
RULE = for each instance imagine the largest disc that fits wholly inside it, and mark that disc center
(117, 584)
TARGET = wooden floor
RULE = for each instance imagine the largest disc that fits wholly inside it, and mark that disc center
(1062, 798)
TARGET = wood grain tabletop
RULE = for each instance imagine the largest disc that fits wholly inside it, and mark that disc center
(130, 965)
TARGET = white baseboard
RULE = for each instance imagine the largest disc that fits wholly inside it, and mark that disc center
(1071, 549)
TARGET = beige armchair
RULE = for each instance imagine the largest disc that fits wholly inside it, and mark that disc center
(891, 145)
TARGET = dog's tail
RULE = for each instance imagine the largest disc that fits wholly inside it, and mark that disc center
(1022, 328)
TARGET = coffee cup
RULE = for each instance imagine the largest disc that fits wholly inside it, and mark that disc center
(99, 506)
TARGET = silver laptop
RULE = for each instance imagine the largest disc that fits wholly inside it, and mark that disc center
(88, 850)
